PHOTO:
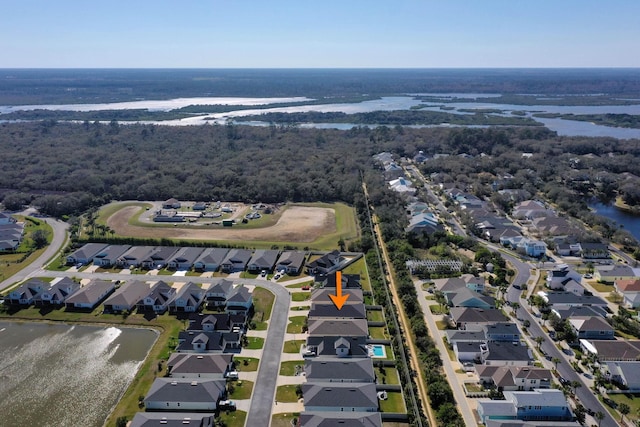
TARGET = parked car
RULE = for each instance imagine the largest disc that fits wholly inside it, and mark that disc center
(229, 405)
(232, 375)
(276, 277)
(306, 287)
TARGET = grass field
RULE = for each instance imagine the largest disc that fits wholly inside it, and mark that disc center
(241, 389)
(300, 296)
(393, 403)
(289, 368)
(263, 304)
(254, 343)
(375, 316)
(286, 393)
(360, 267)
(293, 346)
(296, 323)
(234, 419)
(378, 332)
(251, 366)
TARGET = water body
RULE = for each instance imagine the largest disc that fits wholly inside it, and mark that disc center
(62, 375)
(630, 222)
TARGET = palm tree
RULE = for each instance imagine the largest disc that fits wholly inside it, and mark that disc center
(599, 416)
(556, 360)
(539, 340)
(574, 385)
(624, 410)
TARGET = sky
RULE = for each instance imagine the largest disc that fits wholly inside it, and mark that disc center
(319, 33)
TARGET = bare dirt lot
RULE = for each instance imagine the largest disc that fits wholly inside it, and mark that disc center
(296, 224)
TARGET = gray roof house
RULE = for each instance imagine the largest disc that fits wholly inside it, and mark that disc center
(206, 366)
(342, 419)
(322, 295)
(347, 397)
(157, 299)
(109, 255)
(185, 258)
(539, 404)
(592, 327)
(328, 309)
(569, 299)
(581, 310)
(240, 300)
(514, 377)
(217, 293)
(340, 370)
(172, 419)
(475, 318)
(291, 262)
(90, 295)
(611, 350)
(465, 297)
(86, 253)
(177, 394)
(134, 256)
(338, 346)
(326, 264)
(210, 259)
(626, 374)
(218, 322)
(505, 354)
(160, 257)
(208, 342)
(338, 327)
(57, 293)
(263, 259)
(126, 297)
(236, 260)
(187, 299)
(502, 332)
(24, 294)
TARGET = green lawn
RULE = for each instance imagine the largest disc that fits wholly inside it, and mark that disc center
(289, 368)
(375, 316)
(293, 346)
(255, 343)
(437, 309)
(251, 364)
(241, 389)
(234, 419)
(387, 376)
(10, 264)
(601, 287)
(298, 285)
(633, 400)
(393, 403)
(296, 323)
(262, 304)
(283, 420)
(378, 332)
(300, 296)
(286, 393)
(360, 267)
(301, 308)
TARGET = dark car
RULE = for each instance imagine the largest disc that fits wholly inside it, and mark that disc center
(564, 381)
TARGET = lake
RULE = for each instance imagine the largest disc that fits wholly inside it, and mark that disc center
(630, 222)
(63, 375)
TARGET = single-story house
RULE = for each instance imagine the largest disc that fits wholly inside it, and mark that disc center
(134, 256)
(160, 257)
(157, 299)
(291, 262)
(338, 346)
(205, 366)
(236, 260)
(109, 256)
(505, 354)
(177, 394)
(187, 299)
(171, 204)
(91, 295)
(328, 309)
(126, 297)
(172, 419)
(453, 284)
(339, 370)
(338, 327)
(564, 299)
(263, 259)
(465, 297)
(340, 397)
(185, 258)
(342, 419)
(85, 254)
(321, 295)
(581, 310)
(592, 327)
(210, 259)
(612, 272)
(57, 293)
(611, 350)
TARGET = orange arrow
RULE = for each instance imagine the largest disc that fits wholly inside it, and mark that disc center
(339, 299)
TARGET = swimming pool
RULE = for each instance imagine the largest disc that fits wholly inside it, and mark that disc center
(377, 350)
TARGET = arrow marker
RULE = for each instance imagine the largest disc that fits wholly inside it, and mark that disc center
(339, 299)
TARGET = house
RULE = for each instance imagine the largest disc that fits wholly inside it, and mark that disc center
(529, 209)
(611, 350)
(505, 354)
(626, 374)
(535, 248)
(403, 186)
(90, 296)
(581, 310)
(217, 322)
(611, 273)
(240, 301)
(456, 336)
(24, 294)
(85, 254)
(564, 299)
(134, 256)
(468, 352)
(630, 291)
(475, 318)
(425, 222)
(326, 264)
(205, 366)
(171, 204)
(187, 299)
(321, 295)
(109, 256)
(453, 284)
(510, 378)
(340, 397)
(184, 259)
(172, 419)
(539, 404)
(210, 259)
(342, 419)
(6, 218)
(592, 327)
(11, 236)
(348, 311)
(160, 257)
(57, 293)
(465, 297)
(339, 370)
(236, 260)
(208, 342)
(557, 278)
(594, 251)
(337, 346)
(537, 423)
(199, 206)
(217, 293)
(349, 281)
(177, 394)
(126, 297)
(502, 332)
(291, 262)
(338, 327)
(263, 259)
(157, 299)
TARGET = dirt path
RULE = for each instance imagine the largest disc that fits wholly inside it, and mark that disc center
(297, 224)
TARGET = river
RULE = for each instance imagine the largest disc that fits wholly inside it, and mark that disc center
(63, 375)
(630, 222)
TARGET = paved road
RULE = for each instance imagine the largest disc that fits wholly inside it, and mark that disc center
(59, 239)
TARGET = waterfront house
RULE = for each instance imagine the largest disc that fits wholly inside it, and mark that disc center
(86, 253)
(157, 299)
(126, 297)
(172, 419)
(187, 299)
(24, 294)
(57, 293)
(185, 258)
(178, 394)
(210, 259)
(89, 296)
(340, 397)
(291, 262)
(205, 366)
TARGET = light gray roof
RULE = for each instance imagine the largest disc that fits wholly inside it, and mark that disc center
(560, 298)
(339, 369)
(136, 255)
(590, 323)
(113, 252)
(507, 351)
(186, 255)
(191, 363)
(505, 328)
(348, 311)
(172, 419)
(88, 251)
(91, 292)
(336, 395)
(129, 293)
(292, 259)
(212, 256)
(264, 258)
(238, 257)
(239, 294)
(463, 296)
(338, 327)
(580, 310)
(477, 315)
(456, 335)
(184, 390)
(222, 286)
(341, 419)
(630, 371)
(540, 397)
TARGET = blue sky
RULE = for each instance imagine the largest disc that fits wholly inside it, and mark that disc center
(319, 34)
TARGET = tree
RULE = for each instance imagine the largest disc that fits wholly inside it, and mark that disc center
(39, 238)
(539, 340)
(440, 393)
(624, 410)
(556, 360)
(121, 422)
(599, 416)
